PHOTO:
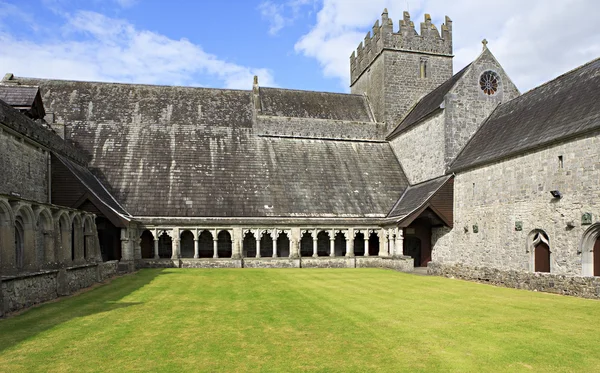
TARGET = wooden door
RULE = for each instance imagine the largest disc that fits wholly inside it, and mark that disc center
(412, 248)
(597, 257)
(542, 258)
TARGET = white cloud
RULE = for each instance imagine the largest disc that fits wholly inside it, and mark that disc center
(278, 15)
(95, 47)
(534, 40)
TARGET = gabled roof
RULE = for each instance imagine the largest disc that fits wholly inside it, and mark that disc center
(564, 107)
(95, 189)
(310, 104)
(416, 198)
(18, 96)
(428, 104)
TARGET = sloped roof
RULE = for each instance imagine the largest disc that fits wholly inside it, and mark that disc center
(417, 196)
(192, 152)
(18, 96)
(428, 104)
(564, 107)
(310, 104)
(93, 185)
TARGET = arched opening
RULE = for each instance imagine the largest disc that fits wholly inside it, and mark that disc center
(76, 239)
(109, 239)
(45, 247)
(165, 246)
(306, 245)
(147, 244)
(205, 245)
(590, 251)
(88, 239)
(412, 248)
(187, 244)
(373, 244)
(323, 245)
(64, 239)
(266, 245)
(340, 244)
(19, 243)
(249, 245)
(541, 252)
(359, 244)
(6, 235)
(283, 245)
(224, 245)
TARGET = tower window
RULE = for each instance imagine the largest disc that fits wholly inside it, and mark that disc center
(560, 161)
(423, 68)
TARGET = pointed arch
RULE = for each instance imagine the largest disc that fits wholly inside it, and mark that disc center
(590, 251)
(45, 238)
(540, 252)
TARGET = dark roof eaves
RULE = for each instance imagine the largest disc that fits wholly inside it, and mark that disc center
(399, 219)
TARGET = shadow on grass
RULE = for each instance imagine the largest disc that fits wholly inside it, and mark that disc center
(105, 298)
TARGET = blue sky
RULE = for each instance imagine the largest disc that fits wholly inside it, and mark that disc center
(300, 44)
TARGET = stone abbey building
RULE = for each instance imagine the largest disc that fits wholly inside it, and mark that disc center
(416, 167)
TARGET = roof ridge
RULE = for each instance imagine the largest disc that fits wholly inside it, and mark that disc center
(311, 91)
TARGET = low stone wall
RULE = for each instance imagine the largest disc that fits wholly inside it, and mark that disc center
(271, 263)
(23, 291)
(402, 264)
(158, 263)
(326, 262)
(210, 263)
(579, 286)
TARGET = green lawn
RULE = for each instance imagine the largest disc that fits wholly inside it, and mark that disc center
(359, 320)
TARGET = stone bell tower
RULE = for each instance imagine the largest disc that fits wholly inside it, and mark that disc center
(395, 69)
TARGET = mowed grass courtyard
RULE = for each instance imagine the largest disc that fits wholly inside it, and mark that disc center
(294, 320)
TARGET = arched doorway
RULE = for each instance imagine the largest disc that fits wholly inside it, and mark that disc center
(165, 246)
(306, 245)
(541, 252)
(249, 245)
(590, 251)
(266, 245)
(340, 244)
(597, 257)
(147, 245)
(205, 245)
(359, 244)
(373, 244)
(412, 248)
(187, 244)
(323, 246)
(224, 245)
(283, 245)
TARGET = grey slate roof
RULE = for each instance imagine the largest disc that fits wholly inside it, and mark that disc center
(18, 96)
(93, 185)
(309, 104)
(564, 107)
(416, 196)
(192, 152)
(428, 104)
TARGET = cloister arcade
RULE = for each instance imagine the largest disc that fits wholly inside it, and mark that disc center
(37, 236)
(198, 243)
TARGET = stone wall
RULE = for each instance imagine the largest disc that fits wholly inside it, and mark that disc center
(405, 264)
(499, 207)
(23, 291)
(586, 287)
(211, 263)
(466, 106)
(271, 263)
(420, 149)
(24, 168)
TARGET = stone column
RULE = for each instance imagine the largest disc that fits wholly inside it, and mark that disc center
(236, 240)
(175, 244)
(399, 241)
(126, 249)
(332, 244)
(196, 255)
(156, 256)
(366, 235)
(215, 248)
(274, 246)
(315, 242)
(384, 243)
(392, 242)
(350, 243)
(294, 236)
(257, 244)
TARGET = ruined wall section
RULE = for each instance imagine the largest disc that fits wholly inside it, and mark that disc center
(497, 208)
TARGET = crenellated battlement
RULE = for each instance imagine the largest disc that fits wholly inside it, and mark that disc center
(407, 38)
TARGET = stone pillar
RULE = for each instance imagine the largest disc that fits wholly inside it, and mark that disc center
(196, 255)
(275, 246)
(366, 235)
(215, 248)
(156, 256)
(236, 240)
(332, 245)
(294, 236)
(384, 250)
(350, 243)
(257, 244)
(126, 249)
(175, 244)
(392, 242)
(399, 241)
(315, 242)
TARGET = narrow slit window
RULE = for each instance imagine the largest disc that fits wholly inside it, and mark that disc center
(560, 162)
(423, 69)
